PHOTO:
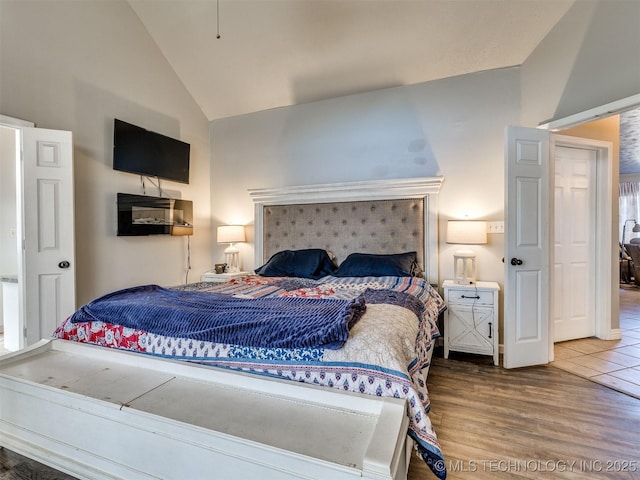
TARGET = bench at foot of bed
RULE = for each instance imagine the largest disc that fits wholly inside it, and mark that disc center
(99, 413)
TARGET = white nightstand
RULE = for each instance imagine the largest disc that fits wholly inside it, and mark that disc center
(471, 318)
(212, 276)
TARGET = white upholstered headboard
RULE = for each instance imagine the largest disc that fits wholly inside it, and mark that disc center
(386, 216)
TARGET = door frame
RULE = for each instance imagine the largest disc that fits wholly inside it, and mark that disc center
(605, 256)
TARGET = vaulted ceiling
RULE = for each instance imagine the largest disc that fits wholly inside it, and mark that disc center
(274, 53)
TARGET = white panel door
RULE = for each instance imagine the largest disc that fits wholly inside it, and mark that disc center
(527, 230)
(574, 256)
(47, 230)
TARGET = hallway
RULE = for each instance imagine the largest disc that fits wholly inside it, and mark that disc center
(613, 363)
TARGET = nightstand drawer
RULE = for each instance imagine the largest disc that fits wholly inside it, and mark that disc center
(470, 297)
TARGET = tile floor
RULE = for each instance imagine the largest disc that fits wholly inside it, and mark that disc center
(613, 363)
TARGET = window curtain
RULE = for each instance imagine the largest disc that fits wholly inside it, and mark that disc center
(629, 207)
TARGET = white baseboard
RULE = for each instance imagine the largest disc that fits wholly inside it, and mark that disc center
(613, 334)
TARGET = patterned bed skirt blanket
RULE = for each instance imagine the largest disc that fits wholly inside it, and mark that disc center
(387, 353)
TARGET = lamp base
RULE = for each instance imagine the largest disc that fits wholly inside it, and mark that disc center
(232, 259)
(464, 267)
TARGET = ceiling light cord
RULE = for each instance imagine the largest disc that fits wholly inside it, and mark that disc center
(218, 19)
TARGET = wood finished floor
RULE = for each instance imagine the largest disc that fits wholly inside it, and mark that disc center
(534, 423)
(17, 467)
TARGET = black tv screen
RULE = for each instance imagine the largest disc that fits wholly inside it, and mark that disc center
(140, 151)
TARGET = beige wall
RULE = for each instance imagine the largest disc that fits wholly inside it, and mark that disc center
(452, 128)
(75, 66)
(607, 129)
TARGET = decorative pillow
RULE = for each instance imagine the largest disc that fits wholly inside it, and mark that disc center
(309, 263)
(372, 265)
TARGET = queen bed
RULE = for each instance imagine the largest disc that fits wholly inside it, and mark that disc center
(343, 295)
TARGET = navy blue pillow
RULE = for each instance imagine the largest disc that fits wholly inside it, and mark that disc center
(309, 263)
(372, 265)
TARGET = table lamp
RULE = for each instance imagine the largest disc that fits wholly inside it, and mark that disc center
(466, 232)
(231, 234)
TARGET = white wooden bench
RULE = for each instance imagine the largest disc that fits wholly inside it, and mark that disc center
(102, 414)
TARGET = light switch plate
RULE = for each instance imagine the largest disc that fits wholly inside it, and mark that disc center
(495, 227)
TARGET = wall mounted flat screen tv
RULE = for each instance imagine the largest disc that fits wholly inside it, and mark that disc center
(140, 151)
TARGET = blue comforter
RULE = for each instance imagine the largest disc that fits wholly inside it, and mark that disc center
(219, 318)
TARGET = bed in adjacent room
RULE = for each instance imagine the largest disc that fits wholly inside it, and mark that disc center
(343, 300)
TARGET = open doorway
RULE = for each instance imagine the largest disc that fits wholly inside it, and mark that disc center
(622, 130)
(578, 230)
(9, 292)
(616, 362)
(39, 291)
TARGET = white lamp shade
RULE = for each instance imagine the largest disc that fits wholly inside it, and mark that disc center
(467, 232)
(231, 234)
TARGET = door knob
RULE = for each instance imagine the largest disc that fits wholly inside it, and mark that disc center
(516, 261)
(64, 264)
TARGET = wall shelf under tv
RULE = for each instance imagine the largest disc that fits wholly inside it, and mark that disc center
(140, 215)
